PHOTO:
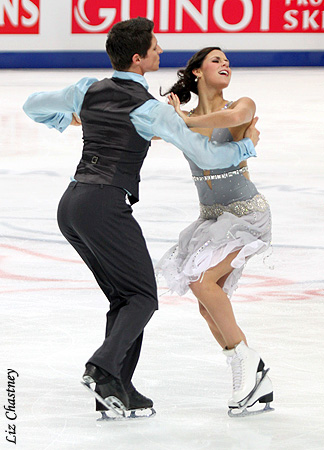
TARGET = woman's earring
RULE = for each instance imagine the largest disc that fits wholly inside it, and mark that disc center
(196, 79)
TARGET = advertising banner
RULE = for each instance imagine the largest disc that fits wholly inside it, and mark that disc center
(62, 33)
(203, 16)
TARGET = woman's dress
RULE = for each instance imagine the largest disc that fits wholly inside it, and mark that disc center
(233, 216)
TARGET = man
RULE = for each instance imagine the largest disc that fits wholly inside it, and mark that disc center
(119, 118)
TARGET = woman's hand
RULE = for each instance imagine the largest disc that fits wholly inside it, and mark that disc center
(76, 121)
(174, 101)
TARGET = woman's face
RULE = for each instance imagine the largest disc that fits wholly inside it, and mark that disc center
(215, 69)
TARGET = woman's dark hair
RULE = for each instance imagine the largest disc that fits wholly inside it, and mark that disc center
(127, 38)
(186, 79)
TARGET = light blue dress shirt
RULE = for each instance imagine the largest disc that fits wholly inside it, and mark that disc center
(153, 118)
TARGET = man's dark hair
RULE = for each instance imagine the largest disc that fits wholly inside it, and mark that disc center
(127, 38)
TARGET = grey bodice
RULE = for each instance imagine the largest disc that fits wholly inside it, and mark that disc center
(230, 190)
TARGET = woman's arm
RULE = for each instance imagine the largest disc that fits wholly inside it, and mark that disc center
(241, 112)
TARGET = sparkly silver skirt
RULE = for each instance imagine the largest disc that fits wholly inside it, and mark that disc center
(239, 209)
(244, 226)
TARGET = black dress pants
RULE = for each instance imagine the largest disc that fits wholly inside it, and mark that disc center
(98, 223)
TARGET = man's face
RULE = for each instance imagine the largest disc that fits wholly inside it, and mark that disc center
(151, 62)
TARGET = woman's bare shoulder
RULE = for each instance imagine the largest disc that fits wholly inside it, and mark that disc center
(244, 101)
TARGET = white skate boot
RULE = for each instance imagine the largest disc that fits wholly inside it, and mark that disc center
(248, 373)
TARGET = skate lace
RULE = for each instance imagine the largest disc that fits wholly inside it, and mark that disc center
(236, 363)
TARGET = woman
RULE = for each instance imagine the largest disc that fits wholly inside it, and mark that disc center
(234, 223)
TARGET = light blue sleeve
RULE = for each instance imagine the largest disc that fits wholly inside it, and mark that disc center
(54, 108)
(154, 118)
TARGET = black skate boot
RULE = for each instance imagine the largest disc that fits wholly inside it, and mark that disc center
(138, 400)
(110, 391)
(139, 407)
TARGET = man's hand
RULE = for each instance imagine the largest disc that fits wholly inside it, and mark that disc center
(76, 121)
(252, 133)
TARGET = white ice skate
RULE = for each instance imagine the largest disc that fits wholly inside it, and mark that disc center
(263, 395)
(248, 374)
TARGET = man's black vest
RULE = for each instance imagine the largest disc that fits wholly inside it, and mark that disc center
(113, 151)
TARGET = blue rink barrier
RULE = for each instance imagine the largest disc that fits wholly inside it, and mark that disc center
(81, 60)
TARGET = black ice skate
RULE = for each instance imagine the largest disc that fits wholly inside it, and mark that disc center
(109, 391)
(140, 407)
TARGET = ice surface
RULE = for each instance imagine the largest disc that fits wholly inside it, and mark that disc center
(53, 315)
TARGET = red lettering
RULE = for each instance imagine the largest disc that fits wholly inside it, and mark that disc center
(19, 16)
(201, 16)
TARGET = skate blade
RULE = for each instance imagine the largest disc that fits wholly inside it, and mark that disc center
(113, 404)
(244, 412)
(129, 415)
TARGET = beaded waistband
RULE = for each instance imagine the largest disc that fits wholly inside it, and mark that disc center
(221, 175)
(239, 209)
